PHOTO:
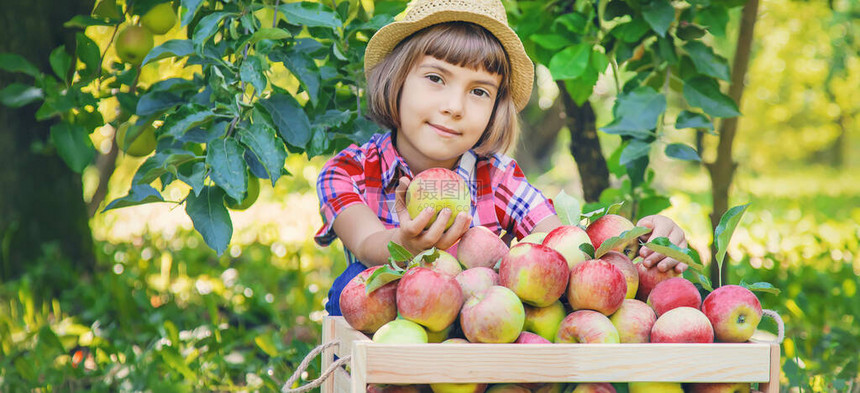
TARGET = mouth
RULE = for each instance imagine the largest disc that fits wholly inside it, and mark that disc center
(444, 130)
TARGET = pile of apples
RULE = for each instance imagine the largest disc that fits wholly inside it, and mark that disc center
(547, 288)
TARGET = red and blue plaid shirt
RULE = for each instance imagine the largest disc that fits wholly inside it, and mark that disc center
(502, 198)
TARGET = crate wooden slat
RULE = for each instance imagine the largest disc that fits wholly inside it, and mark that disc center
(493, 363)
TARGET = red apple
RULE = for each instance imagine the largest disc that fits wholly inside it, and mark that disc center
(400, 331)
(536, 273)
(588, 327)
(630, 274)
(612, 225)
(531, 338)
(476, 280)
(429, 298)
(566, 239)
(508, 388)
(673, 293)
(479, 246)
(493, 316)
(438, 188)
(445, 263)
(734, 311)
(544, 321)
(682, 325)
(602, 387)
(729, 387)
(634, 321)
(596, 285)
(364, 311)
(534, 238)
(649, 278)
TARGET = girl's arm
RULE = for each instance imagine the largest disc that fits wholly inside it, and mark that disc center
(366, 237)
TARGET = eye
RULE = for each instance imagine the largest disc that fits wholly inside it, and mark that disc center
(481, 92)
(434, 78)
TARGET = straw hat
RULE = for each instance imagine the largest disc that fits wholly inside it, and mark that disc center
(490, 14)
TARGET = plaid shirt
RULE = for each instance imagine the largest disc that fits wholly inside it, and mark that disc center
(502, 198)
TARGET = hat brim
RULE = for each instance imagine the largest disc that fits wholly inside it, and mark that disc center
(522, 68)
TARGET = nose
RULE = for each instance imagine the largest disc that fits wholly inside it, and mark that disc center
(452, 105)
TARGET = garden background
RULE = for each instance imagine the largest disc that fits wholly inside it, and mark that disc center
(148, 305)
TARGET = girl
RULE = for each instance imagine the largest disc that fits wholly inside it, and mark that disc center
(448, 81)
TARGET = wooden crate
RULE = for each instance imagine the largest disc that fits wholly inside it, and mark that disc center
(497, 363)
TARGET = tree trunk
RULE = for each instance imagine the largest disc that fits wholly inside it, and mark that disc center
(42, 201)
(722, 170)
(585, 147)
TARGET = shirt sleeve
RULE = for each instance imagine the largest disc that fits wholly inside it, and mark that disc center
(519, 205)
(337, 189)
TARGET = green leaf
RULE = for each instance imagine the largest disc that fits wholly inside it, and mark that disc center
(48, 339)
(139, 194)
(105, 9)
(571, 62)
(210, 217)
(176, 362)
(706, 61)
(193, 174)
(266, 33)
(310, 15)
(61, 62)
(682, 151)
(659, 14)
(723, 233)
(694, 276)
(687, 119)
(87, 51)
(664, 246)
(172, 48)
(289, 118)
(73, 145)
(191, 7)
(382, 276)
(568, 208)
(84, 21)
(653, 205)
(17, 95)
(632, 31)
(715, 18)
(690, 31)
(206, 28)
(588, 249)
(263, 142)
(424, 258)
(580, 89)
(399, 253)
(551, 41)
(183, 119)
(252, 72)
(637, 112)
(305, 70)
(624, 238)
(760, 286)
(224, 157)
(704, 92)
(16, 63)
(265, 342)
(634, 150)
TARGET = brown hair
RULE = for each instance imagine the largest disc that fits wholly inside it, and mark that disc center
(460, 43)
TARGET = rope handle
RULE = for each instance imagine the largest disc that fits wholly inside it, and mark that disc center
(780, 325)
(304, 366)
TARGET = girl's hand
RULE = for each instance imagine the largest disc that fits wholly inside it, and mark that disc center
(661, 226)
(411, 233)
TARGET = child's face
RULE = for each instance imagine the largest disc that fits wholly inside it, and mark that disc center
(444, 110)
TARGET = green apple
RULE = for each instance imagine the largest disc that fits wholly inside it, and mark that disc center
(437, 189)
(133, 43)
(400, 331)
(250, 195)
(544, 321)
(654, 387)
(141, 145)
(159, 19)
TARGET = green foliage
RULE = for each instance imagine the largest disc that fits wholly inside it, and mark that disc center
(232, 115)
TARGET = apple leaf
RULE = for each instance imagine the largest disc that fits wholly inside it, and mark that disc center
(694, 276)
(614, 208)
(624, 238)
(568, 208)
(587, 248)
(426, 257)
(724, 231)
(398, 253)
(760, 286)
(380, 277)
(689, 256)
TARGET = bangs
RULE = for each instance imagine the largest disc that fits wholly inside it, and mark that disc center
(466, 45)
